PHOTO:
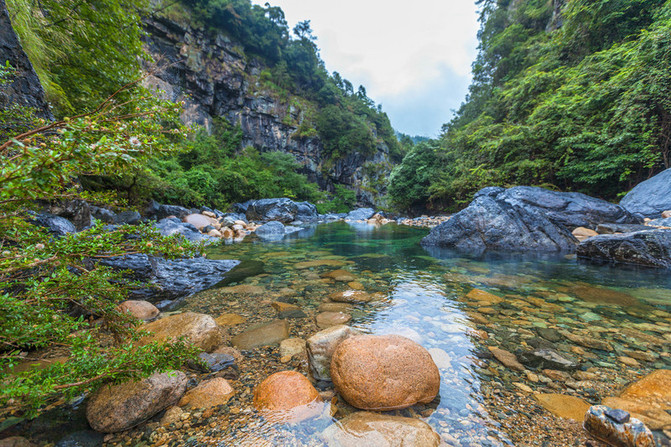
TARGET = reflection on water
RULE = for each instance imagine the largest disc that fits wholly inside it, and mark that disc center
(433, 297)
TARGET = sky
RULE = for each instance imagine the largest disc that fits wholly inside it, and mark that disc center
(413, 57)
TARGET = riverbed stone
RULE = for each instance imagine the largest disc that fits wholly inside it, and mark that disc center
(582, 233)
(340, 275)
(507, 358)
(384, 372)
(199, 329)
(16, 441)
(119, 407)
(263, 334)
(564, 406)
(209, 393)
(587, 341)
(287, 310)
(142, 310)
(287, 396)
(230, 320)
(328, 319)
(365, 428)
(292, 347)
(632, 433)
(321, 347)
(335, 307)
(351, 296)
(548, 358)
(483, 297)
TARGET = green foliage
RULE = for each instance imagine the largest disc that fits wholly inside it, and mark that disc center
(14, 119)
(583, 107)
(55, 298)
(82, 51)
(211, 170)
(342, 200)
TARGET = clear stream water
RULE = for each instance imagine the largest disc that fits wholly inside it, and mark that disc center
(424, 297)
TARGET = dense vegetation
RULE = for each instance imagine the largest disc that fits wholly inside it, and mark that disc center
(347, 120)
(579, 100)
(56, 300)
(79, 69)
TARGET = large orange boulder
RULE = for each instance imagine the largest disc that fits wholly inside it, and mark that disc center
(647, 400)
(287, 396)
(199, 329)
(384, 372)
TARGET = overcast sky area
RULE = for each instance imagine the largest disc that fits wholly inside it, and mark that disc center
(414, 58)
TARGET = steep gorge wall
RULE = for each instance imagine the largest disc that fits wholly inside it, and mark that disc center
(214, 78)
(25, 88)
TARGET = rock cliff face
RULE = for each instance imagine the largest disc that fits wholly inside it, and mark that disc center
(25, 88)
(214, 78)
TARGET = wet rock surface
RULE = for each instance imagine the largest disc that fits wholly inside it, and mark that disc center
(171, 278)
(384, 372)
(199, 329)
(647, 248)
(524, 219)
(287, 396)
(632, 433)
(321, 347)
(120, 407)
(651, 197)
(374, 429)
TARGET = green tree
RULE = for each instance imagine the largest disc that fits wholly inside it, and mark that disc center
(53, 292)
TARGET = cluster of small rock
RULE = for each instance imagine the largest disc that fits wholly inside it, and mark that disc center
(424, 221)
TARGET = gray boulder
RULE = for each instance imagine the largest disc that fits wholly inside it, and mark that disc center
(651, 197)
(647, 248)
(524, 219)
(58, 226)
(76, 211)
(128, 218)
(172, 225)
(103, 214)
(158, 211)
(171, 279)
(264, 210)
(360, 214)
(270, 230)
(660, 222)
(306, 212)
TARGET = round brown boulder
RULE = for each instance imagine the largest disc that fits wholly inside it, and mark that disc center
(384, 372)
(287, 396)
(142, 310)
(120, 407)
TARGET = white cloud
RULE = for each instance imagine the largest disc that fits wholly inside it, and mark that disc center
(396, 49)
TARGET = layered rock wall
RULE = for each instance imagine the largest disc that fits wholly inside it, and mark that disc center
(215, 78)
(25, 88)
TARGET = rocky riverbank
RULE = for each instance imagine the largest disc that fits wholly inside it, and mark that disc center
(528, 354)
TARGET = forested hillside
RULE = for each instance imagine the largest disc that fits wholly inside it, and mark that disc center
(84, 52)
(571, 95)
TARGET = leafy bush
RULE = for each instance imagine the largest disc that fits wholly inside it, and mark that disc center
(583, 106)
(342, 200)
(55, 299)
